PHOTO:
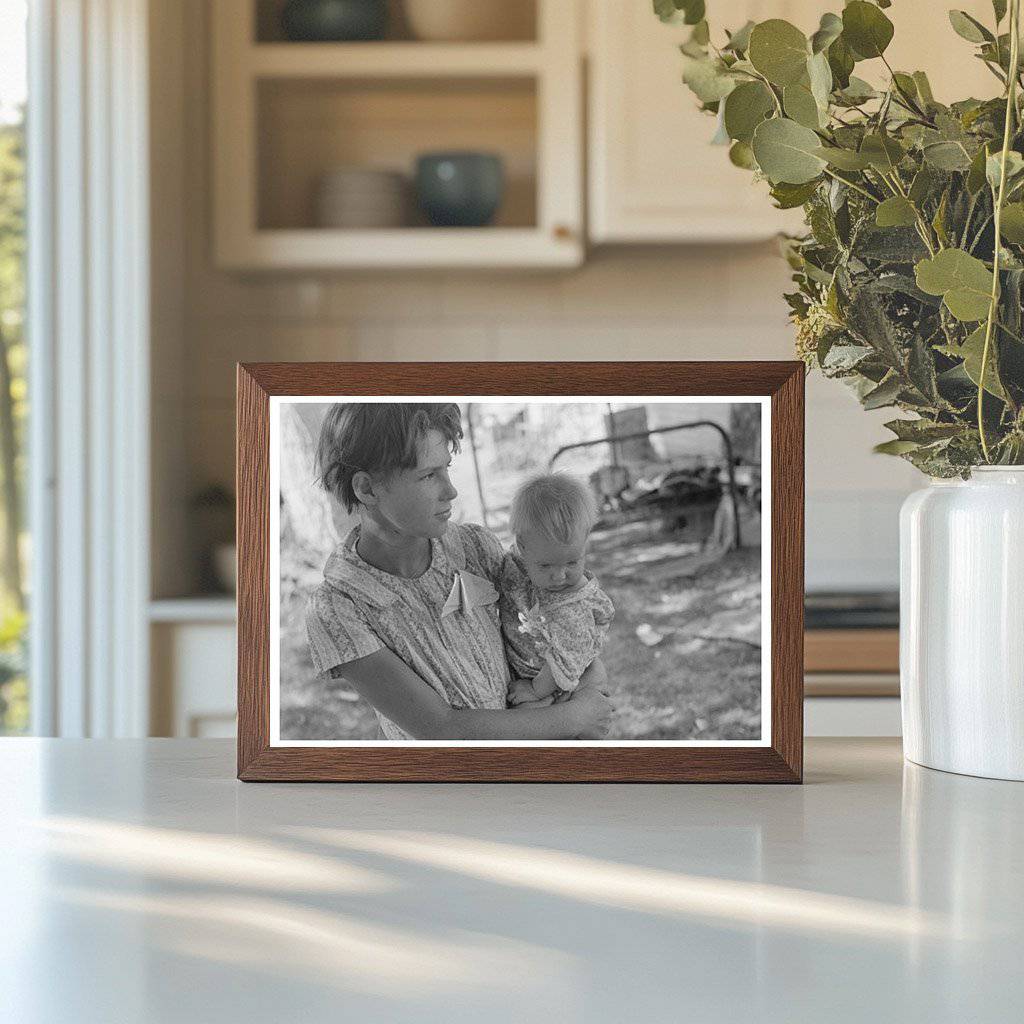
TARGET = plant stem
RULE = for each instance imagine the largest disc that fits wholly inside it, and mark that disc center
(907, 99)
(896, 187)
(1011, 107)
(1012, 334)
(853, 185)
(768, 86)
(970, 215)
(981, 231)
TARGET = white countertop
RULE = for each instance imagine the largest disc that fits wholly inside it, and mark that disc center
(140, 882)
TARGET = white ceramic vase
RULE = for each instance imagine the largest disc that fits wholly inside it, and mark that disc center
(962, 624)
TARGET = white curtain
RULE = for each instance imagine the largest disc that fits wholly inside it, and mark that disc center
(88, 237)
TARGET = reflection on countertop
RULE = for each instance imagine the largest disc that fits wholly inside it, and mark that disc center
(147, 884)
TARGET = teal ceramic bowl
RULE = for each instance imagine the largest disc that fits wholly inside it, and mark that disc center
(334, 21)
(460, 189)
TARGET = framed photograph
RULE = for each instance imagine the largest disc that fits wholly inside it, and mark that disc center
(559, 572)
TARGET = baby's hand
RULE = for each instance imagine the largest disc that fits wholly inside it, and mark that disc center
(521, 692)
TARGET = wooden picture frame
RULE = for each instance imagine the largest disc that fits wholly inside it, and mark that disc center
(779, 758)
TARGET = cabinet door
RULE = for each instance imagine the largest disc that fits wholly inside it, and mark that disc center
(653, 174)
(925, 41)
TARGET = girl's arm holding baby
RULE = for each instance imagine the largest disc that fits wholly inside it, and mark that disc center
(397, 692)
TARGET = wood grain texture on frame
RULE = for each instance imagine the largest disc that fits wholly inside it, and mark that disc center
(782, 761)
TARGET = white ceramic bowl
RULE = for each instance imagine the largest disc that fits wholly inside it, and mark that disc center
(470, 20)
(362, 198)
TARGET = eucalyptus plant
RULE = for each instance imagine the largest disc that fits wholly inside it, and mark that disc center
(902, 291)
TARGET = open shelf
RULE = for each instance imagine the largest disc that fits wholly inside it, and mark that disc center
(286, 114)
(309, 127)
(520, 23)
(388, 60)
(406, 248)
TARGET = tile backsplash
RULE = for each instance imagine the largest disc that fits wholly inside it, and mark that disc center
(708, 303)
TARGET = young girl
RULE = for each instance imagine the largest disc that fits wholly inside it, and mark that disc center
(554, 614)
(407, 608)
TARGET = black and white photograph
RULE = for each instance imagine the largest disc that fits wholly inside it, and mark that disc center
(518, 570)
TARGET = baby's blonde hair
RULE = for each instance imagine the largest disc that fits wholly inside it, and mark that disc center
(557, 505)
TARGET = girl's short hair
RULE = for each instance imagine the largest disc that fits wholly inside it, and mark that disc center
(377, 437)
(558, 505)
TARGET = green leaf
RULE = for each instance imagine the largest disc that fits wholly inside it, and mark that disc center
(1011, 225)
(999, 9)
(745, 108)
(690, 12)
(971, 351)
(858, 91)
(895, 447)
(666, 10)
(829, 30)
(707, 78)
(906, 285)
(883, 152)
(993, 165)
(923, 431)
(741, 155)
(819, 75)
(779, 51)
(788, 196)
(997, 54)
(956, 386)
(895, 212)
(840, 61)
(866, 29)
(822, 223)
(976, 173)
(922, 185)
(921, 370)
(939, 220)
(924, 88)
(868, 320)
(843, 358)
(701, 34)
(693, 10)
(889, 245)
(721, 136)
(963, 281)
(906, 84)
(969, 28)
(884, 394)
(947, 156)
(739, 41)
(786, 151)
(844, 159)
(801, 106)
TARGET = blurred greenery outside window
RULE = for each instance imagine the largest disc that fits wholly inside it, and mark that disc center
(14, 538)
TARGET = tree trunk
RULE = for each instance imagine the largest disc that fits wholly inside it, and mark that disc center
(309, 519)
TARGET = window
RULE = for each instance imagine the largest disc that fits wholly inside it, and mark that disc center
(14, 691)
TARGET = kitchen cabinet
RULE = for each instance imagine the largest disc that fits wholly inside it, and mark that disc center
(286, 114)
(653, 175)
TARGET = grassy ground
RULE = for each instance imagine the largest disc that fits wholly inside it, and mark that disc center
(697, 677)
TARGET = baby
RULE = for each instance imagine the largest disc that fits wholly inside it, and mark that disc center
(554, 615)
